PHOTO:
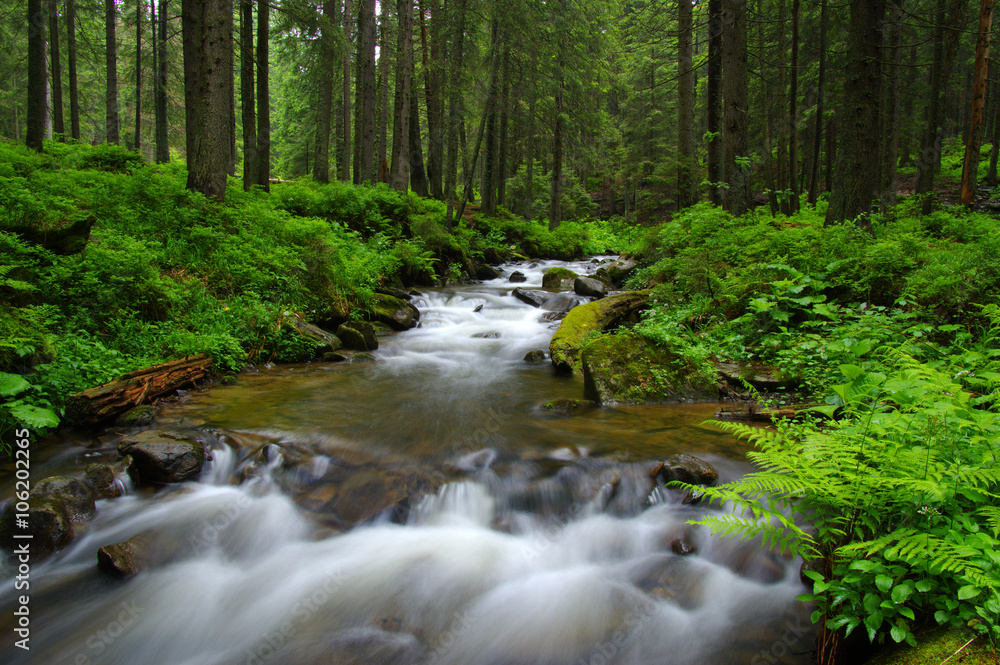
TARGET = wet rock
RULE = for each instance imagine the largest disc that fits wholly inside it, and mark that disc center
(159, 457)
(323, 340)
(487, 335)
(588, 286)
(228, 380)
(682, 547)
(561, 302)
(394, 312)
(358, 335)
(333, 357)
(361, 358)
(588, 318)
(397, 293)
(366, 493)
(363, 645)
(536, 356)
(688, 469)
(763, 379)
(628, 369)
(477, 461)
(616, 272)
(552, 317)
(486, 273)
(679, 580)
(140, 416)
(478, 308)
(558, 278)
(568, 405)
(101, 478)
(493, 256)
(517, 277)
(55, 504)
(125, 559)
(533, 298)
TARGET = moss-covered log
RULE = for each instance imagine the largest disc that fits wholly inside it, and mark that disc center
(97, 405)
(589, 318)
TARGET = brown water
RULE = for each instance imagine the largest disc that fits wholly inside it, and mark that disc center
(528, 554)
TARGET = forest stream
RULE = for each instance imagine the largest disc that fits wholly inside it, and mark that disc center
(420, 508)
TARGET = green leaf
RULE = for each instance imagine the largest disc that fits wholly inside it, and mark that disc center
(901, 593)
(34, 416)
(883, 582)
(968, 591)
(898, 634)
(12, 384)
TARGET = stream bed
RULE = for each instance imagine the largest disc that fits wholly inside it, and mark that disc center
(419, 509)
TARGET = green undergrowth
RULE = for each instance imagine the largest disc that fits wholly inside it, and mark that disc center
(167, 273)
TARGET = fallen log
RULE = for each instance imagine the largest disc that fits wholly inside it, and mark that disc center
(97, 405)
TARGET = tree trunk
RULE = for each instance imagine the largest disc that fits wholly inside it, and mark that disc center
(249, 112)
(74, 97)
(58, 126)
(101, 404)
(454, 112)
(793, 116)
(857, 167)
(162, 143)
(556, 192)
(503, 150)
(138, 73)
(418, 176)
(324, 110)
(736, 173)
(208, 40)
(821, 82)
(767, 94)
(384, 111)
(889, 116)
(489, 189)
(970, 168)
(112, 121)
(714, 95)
(263, 97)
(344, 140)
(35, 112)
(433, 88)
(779, 93)
(529, 173)
(400, 165)
(364, 166)
(687, 193)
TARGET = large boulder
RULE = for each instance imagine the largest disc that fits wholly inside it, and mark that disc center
(558, 278)
(485, 272)
(349, 499)
(158, 457)
(517, 277)
(394, 312)
(55, 504)
(588, 286)
(358, 335)
(628, 369)
(688, 469)
(589, 318)
(322, 340)
(616, 272)
(102, 477)
(533, 298)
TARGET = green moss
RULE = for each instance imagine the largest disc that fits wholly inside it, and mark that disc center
(936, 647)
(584, 321)
(627, 369)
(558, 278)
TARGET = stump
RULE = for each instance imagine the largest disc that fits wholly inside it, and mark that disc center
(97, 405)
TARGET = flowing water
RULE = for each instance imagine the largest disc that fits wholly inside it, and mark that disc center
(539, 538)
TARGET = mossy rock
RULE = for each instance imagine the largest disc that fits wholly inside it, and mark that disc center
(567, 406)
(627, 369)
(140, 416)
(937, 646)
(323, 340)
(394, 312)
(558, 278)
(585, 320)
(55, 504)
(358, 335)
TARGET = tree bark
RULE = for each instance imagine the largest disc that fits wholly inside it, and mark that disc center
(138, 73)
(364, 166)
(856, 177)
(820, 98)
(970, 167)
(889, 116)
(714, 95)
(324, 110)
(35, 112)
(344, 140)
(454, 112)
(736, 145)
(384, 110)
(58, 126)
(74, 96)
(489, 185)
(418, 175)
(434, 84)
(503, 150)
(112, 121)
(208, 40)
(779, 94)
(400, 165)
(793, 115)
(687, 193)
(263, 97)
(162, 143)
(247, 104)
